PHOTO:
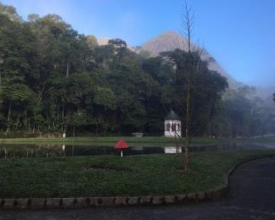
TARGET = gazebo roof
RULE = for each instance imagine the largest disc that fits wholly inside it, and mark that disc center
(172, 116)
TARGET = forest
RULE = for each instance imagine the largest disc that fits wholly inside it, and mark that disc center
(53, 79)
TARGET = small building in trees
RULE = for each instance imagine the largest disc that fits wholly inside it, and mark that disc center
(172, 125)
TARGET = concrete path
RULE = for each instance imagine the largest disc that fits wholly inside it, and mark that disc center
(252, 196)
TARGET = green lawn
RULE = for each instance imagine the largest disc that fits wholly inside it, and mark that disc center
(145, 141)
(110, 141)
(112, 175)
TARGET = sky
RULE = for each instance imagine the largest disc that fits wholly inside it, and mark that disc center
(239, 34)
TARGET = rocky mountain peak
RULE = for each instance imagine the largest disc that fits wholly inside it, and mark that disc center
(169, 41)
(166, 41)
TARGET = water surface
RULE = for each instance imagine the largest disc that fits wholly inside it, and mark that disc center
(17, 151)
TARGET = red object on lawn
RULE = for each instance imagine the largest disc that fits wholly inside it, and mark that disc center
(121, 144)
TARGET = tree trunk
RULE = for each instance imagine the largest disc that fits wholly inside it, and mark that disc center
(188, 126)
(8, 118)
(0, 81)
(63, 117)
(68, 67)
(188, 24)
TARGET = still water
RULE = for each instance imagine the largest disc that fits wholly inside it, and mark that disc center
(17, 151)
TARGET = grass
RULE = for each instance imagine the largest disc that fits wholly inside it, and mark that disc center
(112, 175)
(109, 141)
(145, 141)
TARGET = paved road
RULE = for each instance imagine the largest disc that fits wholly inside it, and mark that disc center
(252, 196)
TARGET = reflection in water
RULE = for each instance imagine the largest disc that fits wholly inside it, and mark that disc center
(20, 151)
(137, 148)
(63, 149)
(172, 150)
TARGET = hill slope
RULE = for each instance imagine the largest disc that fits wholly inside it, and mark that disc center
(169, 41)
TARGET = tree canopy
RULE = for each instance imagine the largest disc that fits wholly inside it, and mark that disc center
(53, 79)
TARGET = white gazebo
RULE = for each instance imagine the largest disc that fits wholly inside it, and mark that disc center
(172, 125)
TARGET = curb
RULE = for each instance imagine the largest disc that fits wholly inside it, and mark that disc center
(118, 201)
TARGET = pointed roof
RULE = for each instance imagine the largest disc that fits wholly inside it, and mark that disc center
(172, 116)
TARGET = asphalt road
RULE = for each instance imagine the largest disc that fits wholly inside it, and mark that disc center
(252, 196)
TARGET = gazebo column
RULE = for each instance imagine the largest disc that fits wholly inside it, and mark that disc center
(172, 125)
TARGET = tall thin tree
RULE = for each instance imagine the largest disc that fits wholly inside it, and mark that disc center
(187, 25)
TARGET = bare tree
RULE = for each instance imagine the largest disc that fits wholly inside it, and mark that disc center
(187, 25)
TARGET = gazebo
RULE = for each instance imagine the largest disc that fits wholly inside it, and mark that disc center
(172, 125)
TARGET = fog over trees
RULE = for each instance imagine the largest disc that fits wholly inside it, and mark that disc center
(53, 79)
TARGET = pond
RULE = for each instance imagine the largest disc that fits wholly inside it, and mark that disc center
(18, 151)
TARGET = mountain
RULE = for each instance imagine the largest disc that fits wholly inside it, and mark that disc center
(103, 41)
(169, 41)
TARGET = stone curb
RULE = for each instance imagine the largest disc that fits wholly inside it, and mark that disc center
(88, 202)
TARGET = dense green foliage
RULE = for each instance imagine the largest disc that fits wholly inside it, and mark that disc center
(53, 79)
(112, 175)
(245, 114)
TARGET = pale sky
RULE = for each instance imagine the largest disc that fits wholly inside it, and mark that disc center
(239, 34)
